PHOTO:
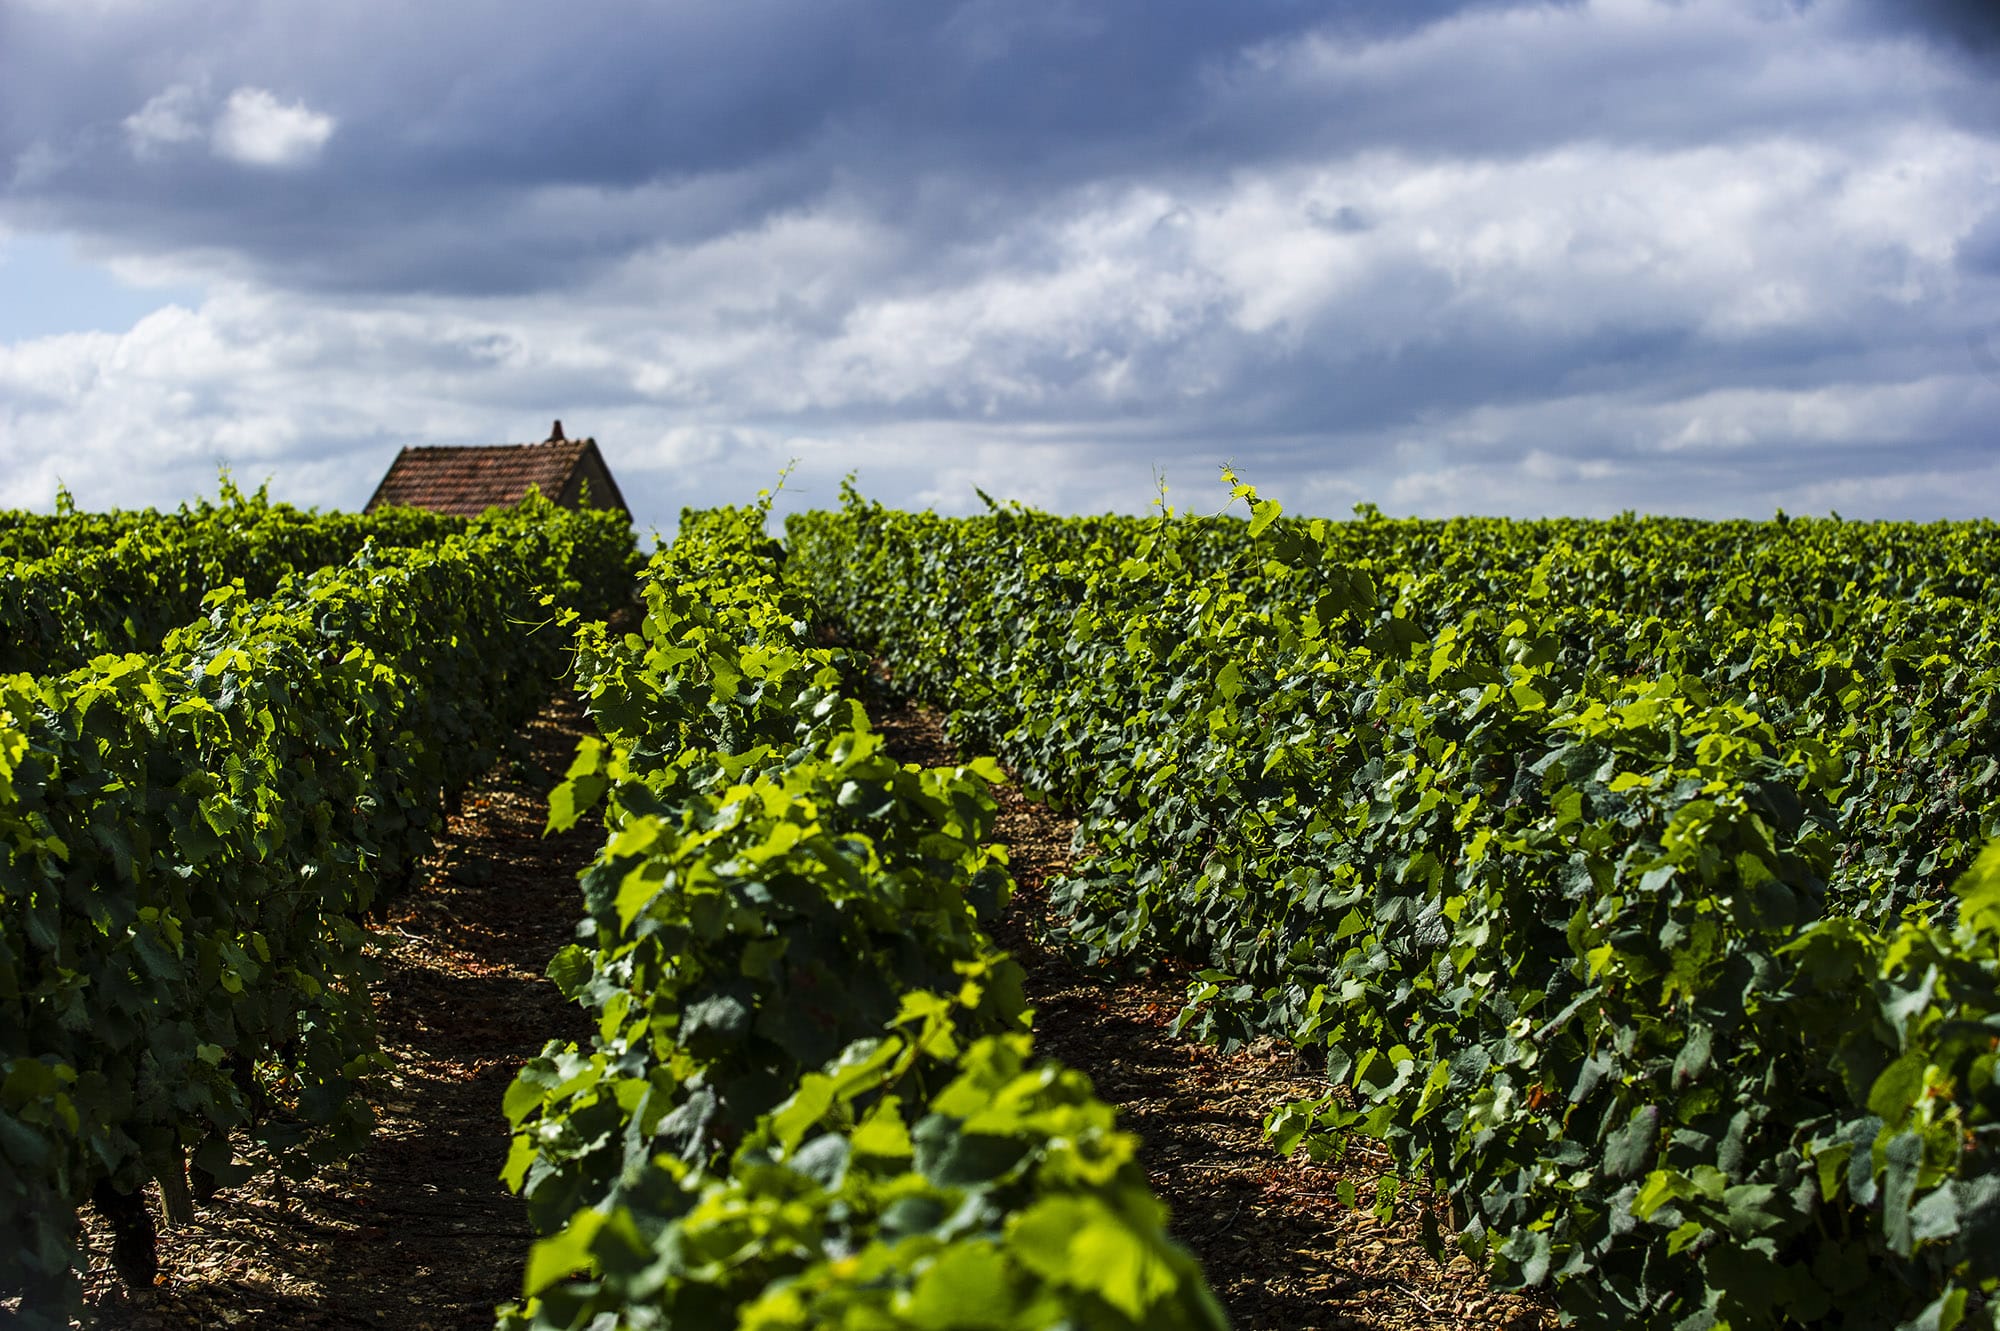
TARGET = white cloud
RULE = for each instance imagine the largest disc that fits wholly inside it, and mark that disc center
(319, 396)
(253, 127)
(170, 117)
(256, 129)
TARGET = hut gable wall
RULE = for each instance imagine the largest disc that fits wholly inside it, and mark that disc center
(590, 469)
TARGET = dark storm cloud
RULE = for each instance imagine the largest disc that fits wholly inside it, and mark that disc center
(484, 148)
(1326, 389)
(1973, 25)
(1979, 252)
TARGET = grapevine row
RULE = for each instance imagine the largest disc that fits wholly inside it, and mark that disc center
(1626, 874)
(75, 586)
(812, 1098)
(188, 841)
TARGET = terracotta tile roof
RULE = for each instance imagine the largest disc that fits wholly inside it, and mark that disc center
(469, 480)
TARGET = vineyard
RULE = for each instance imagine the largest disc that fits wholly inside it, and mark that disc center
(1630, 886)
(195, 834)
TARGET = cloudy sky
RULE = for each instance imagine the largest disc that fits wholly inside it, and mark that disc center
(1709, 257)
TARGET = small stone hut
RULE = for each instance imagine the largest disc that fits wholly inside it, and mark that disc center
(469, 480)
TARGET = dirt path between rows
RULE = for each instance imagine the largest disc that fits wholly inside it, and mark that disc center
(415, 1233)
(1279, 1248)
